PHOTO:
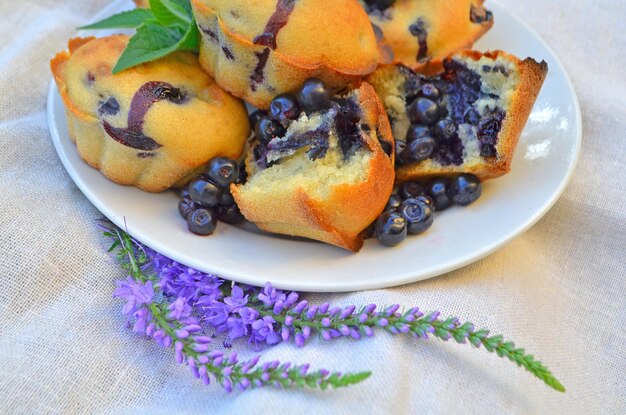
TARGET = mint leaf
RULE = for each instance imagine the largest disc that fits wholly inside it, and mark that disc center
(171, 11)
(153, 41)
(129, 19)
(168, 15)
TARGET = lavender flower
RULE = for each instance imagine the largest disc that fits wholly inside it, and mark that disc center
(268, 316)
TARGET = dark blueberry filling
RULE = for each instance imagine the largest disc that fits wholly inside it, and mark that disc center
(344, 115)
(90, 79)
(418, 29)
(480, 14)
(378, 5)
(277, 21)
(441, 107)
(109, 107)
(257, 74)
(148, 94)
(227, 52)
(211, 34)
(316, 140)
(347, 126)
(146, 155)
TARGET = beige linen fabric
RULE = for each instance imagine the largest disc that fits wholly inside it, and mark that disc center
(559, 290)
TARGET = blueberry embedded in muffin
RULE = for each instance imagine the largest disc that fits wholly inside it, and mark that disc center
(320, 167)
(467, 118)
(153, 126)
(421, 33)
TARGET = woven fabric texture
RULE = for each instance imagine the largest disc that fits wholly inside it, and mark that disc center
(559, 290)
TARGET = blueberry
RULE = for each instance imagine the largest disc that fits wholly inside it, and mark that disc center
(424, 111)
(465, 189)
(204, 192)
(201, 222)
(411, 189)
(256, 116)
(445, 130)
(186, 206)
(419, 149)
(416, 131)
(222, 171)
(393, 203)
(426, 199)
(391, 228)
(472, 116)
(438, 190)
(226, 199)
(313, 95)
(230, 214)
(284, 107)
(184, 192)
(243, 174)
(429, 91)
(419, 215)
(266, 129)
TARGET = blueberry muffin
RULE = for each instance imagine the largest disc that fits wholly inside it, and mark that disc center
(152, 126)
(321, 168)
(257, 50)
(422, 33)
(467, 119)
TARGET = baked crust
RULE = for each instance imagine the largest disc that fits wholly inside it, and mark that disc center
(209, 123)
(335, 43)
(448, 27)
(339, 217)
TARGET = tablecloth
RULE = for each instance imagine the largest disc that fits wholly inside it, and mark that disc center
(559, 289)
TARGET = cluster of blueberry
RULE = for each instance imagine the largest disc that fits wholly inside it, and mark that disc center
(207, 198)
(411, 208)
(313, 96)
(431, 134)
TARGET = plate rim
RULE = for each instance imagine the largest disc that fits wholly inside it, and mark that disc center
(339, 286)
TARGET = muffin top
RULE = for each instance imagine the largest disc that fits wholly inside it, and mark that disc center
(336, 33)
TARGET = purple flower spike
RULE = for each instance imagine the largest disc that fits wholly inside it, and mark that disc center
(202, 339)
(306, 332)
(181, 334)
(334, 311)
(288, 321)
(291, 299)
(232, 359)
(203, 359)
(347, 312)
(285, 333)
(204, 376)
(343, 329)
(201, 348)
(227, 371)
(228, 385)
(368, 331)
(382, 322)
(244, 384)
(369, 308)
(178, 348)
(215, 354)
(270, 295)
(299, 339)
(278, 307)
(391, 310)
(323, 308)
(135, 293)
(300, 307)
(433, 316)
(311, 312)
(363, 318)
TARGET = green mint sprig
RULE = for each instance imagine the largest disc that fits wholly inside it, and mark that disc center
(168, 26)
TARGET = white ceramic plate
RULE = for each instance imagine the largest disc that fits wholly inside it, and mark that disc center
(544, 161)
